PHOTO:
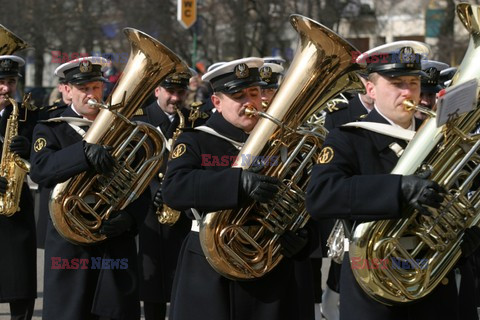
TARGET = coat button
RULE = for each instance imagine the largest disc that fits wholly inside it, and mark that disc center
(444, 281)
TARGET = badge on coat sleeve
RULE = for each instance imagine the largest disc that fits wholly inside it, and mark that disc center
(179, 150)
(326, 155)
(39, 144)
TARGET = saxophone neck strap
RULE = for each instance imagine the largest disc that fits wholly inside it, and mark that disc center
(385, 129)
(211, 131)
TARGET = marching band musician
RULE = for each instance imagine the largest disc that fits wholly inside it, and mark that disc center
(356, 109)
(337, 114)
(18, 266)
(199, 292)
(270, 73)
(60, 104)
(352, 180)
(430, 84)
(76, 285)
(159, 244)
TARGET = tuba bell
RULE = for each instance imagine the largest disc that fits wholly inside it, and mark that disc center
(12, 167)
(79, 205)
(452, 153)
(243, 243)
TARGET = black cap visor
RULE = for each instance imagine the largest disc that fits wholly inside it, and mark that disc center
(10, 74)
(401, 72)
(431, 88)
(82, 80)
(240, 84)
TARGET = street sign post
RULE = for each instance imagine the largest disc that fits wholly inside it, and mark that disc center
(187, 12)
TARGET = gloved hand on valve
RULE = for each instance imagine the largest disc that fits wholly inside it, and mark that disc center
(258, 187)
(21, 146)
(99, 157)
(118, 223)
(418, 192)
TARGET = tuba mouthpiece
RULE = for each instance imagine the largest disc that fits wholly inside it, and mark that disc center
(250, 111)
(409, 105)
(96, 104)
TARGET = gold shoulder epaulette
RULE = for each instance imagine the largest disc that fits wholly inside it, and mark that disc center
(204, 115)
(196, 104)
(334, 105)
(139, 112)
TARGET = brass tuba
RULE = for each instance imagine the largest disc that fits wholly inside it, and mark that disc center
(9, 42)
(79, 205)
(12, 167)
(392, 270)
(243, 243)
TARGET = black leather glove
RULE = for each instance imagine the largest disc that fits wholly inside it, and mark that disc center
(158, 198)
(418, 192)
(470, 241)
(292, 243)
(118, 223)
(258, 187)
(21, 146)
(99, 157)
(3, 185)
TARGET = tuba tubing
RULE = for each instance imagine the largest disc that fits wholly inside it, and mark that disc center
(452, 153)
(79, 205)
(242, 244)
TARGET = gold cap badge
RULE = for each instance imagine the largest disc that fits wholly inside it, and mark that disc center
(242, 71)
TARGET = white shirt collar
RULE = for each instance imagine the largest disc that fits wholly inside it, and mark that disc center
(363, 103)
(171, 117)
(412, 123)
(75, 110)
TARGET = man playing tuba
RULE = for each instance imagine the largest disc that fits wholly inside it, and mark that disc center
(200, 176)
(104, 281)
(352, 181)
